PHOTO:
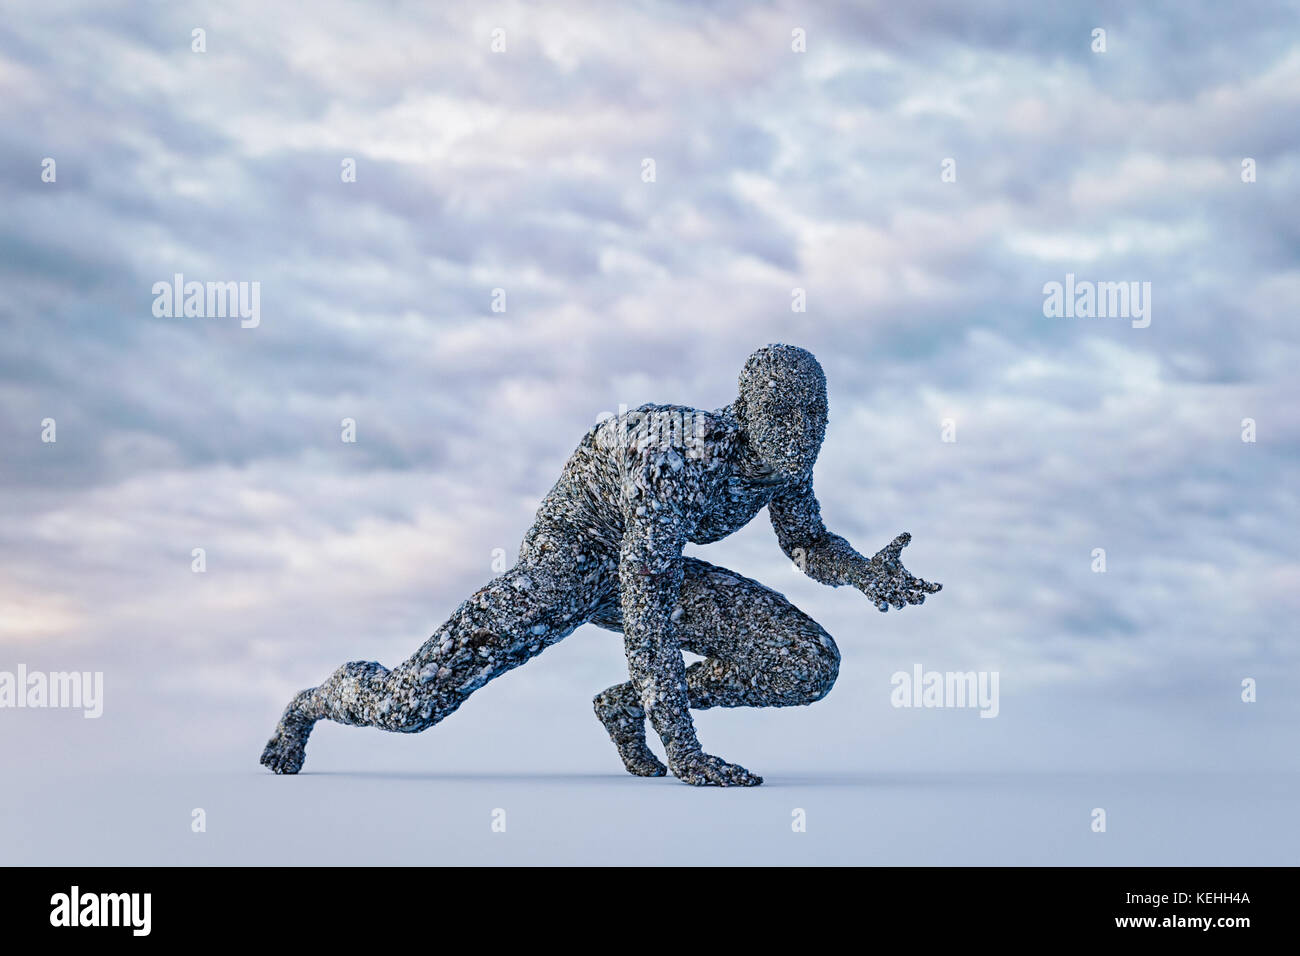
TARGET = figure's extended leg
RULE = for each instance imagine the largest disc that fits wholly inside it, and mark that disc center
(501, 626)
(760, 650)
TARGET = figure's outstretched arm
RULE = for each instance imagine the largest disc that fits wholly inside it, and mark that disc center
(828, 558)
(650, 579)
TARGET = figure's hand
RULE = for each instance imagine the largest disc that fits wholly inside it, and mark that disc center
(887, 582)
(703, 770)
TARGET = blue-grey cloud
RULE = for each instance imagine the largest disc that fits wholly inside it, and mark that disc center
(775, 170)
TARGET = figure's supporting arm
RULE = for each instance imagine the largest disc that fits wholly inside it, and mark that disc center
(828, 558)
(650, 577)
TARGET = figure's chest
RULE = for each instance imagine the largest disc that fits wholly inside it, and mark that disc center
(737, 502)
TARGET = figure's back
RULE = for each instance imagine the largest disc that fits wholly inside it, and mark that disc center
(620, 455)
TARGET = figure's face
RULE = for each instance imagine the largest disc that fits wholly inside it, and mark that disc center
(783, 399)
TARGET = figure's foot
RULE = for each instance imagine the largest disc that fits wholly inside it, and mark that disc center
(640, 760)
(285, 753)
(704, 770)
(286, 750)
(627, 730)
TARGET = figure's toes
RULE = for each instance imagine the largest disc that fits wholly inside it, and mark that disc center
(281, 757)
(743, 778)
(288, 764)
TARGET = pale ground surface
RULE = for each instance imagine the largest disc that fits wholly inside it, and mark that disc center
(1207, 780)
(411, 817)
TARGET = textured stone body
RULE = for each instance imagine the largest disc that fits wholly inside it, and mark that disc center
(606, 548)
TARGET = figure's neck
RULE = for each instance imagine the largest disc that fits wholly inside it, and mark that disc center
(748, 462)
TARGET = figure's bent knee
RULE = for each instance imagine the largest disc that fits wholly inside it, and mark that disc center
(802, 672)
(823, 666)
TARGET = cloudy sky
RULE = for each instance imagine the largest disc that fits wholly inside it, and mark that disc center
(774, 170)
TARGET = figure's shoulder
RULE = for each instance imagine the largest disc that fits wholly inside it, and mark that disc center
(706, 437)
(669, 438)
(716, 437)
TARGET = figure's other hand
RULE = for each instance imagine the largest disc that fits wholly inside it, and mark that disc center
(888, 583)
(703, 770)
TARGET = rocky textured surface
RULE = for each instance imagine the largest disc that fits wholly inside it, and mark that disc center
(606, 548)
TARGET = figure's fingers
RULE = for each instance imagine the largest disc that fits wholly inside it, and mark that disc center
(915, 597)
(724, 774)
(929, 588)
(706, 770)
(901, 542)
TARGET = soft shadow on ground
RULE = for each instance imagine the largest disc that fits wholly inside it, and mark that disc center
(465, 777)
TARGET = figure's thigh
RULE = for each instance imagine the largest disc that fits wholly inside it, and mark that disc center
(761, 650)
(730, 617)
(518, 614)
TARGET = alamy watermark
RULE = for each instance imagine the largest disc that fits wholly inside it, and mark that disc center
(83, 690)
(922, 688)
(75, 908)
(208, 300)
(1084, 299)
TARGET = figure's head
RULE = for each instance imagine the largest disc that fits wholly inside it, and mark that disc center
(782, 407)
